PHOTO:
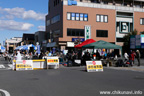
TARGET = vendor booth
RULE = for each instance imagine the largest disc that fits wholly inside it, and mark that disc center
(91, 65)
(103, 45)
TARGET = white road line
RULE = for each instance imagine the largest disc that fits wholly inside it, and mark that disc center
(2, 66)
(5, 92)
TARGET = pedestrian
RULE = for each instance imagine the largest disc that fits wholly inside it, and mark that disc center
(126, 56)
(133, 57)
(138, 57)
(130, 58)
(97, 55)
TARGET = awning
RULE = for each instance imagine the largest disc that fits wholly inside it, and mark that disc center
(88, 41)
(51, 44)
(2, 49)
(102, 44)
(25, 47)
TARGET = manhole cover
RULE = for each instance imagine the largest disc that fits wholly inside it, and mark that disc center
(4, 93)
(1, 93)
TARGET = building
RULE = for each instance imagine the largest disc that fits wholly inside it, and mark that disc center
(12, 43)
(40, 38)
(28, 39)
(109, 20)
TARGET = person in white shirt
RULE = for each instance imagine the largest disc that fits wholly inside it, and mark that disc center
(126, 56)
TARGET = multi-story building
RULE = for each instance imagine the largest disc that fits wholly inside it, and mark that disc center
(109, 20)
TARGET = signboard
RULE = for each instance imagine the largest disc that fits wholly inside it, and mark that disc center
(142, 41)
(78, 39)
(94, 66)
(132, 42)
(53, 61)
(87, 32)
(24, 65)
(138, 41)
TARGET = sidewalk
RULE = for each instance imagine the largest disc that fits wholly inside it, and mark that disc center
(134, 68)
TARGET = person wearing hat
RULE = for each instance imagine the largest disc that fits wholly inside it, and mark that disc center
(138, 57)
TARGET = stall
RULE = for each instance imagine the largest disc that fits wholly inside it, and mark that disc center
(103, 45)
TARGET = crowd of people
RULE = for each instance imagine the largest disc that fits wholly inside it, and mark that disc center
(72, 56)
(132, 56)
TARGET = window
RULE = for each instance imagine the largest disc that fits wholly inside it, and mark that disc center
(102, 33)
(119, 39)
(142, 21)
(77, 16)
(85, 17)
(105, 18)
(55, 19)
(68, 16)
(101, 18)
(75, 32)
(73, 16)
(81, 17)
(98, 18)
(48, 22)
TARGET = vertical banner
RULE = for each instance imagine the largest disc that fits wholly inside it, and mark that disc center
(87, 32)
(138, 41)
(132, 42)
(142, 41)
(38, 49)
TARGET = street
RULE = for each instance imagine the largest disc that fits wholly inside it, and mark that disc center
(69, 81)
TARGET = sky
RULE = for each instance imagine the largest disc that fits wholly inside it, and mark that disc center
(21, 16)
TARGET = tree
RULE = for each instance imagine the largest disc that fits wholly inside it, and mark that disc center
(126, 40)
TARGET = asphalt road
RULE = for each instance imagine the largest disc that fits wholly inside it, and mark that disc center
(69, 81)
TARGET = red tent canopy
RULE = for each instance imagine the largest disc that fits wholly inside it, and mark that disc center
(88, 41)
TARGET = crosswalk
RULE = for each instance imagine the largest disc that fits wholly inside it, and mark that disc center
(3, 66)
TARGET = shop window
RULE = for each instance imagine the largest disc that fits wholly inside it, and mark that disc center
(101, 33)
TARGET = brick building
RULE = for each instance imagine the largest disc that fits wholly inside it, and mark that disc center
(109, 20)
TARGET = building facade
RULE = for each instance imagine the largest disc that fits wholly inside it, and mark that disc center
(12, 43)
(109, 20)
(28, 39)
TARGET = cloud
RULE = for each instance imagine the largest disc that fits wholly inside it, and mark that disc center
(11, 13)
(13, 25)
(41, 28)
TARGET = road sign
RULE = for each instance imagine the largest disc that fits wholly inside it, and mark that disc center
(94, 66)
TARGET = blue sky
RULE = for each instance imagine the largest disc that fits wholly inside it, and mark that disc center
(21, 16)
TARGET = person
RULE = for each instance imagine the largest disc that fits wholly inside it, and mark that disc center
(97, 55)
(126, 56)
(133, 57)
(41, 55)
(130, 58)
(138, 57)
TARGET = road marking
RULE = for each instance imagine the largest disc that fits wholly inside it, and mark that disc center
(6, 93)
(2, 66)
